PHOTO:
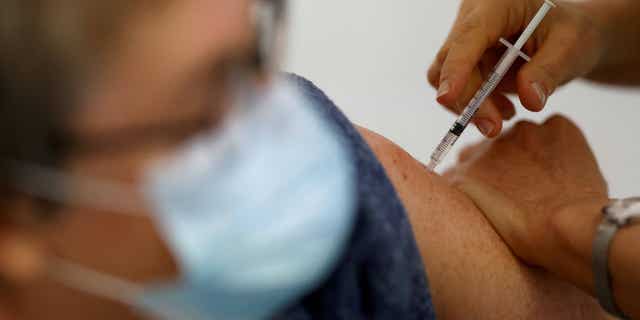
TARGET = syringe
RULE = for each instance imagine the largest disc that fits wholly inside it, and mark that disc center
(487, 88)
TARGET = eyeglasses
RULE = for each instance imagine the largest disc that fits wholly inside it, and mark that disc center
(55, 186)
(270, 23)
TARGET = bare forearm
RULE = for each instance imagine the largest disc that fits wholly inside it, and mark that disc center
(576, 227)
(619, 21)
(472, 273)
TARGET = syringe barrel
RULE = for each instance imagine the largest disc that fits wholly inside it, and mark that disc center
(501, 69)
(485, 91)
(444, 147)
(533, 25)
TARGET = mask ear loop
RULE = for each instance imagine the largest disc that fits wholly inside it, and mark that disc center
(93, 282)
(106, 286)
(59, 187)
(269, 20)
(55, 186)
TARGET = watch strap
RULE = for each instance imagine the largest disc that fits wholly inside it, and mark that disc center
(600, 259)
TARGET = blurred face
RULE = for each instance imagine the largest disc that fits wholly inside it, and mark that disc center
(164, 81)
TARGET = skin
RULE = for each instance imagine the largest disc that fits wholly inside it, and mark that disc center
(542, 190)
(471, 271)
(140, 91)
(137, 91)
(595, 39)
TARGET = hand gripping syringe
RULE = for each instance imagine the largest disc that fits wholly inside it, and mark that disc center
(487, 88)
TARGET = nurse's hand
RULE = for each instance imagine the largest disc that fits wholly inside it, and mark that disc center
(568, 44)
(541, 188)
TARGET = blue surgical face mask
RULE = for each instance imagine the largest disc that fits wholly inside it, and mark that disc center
(256, 214)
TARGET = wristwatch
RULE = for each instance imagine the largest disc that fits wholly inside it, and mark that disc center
(617, 215)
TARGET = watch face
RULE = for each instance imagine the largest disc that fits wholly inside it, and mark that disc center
(623, 212)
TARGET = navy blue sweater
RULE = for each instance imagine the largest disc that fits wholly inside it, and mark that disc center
(381, 275)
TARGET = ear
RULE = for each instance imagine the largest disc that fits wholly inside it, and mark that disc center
(22, 255)
(21, 263)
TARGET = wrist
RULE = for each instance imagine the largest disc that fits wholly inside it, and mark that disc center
(574, 228)
(623, 265)
(614, 21)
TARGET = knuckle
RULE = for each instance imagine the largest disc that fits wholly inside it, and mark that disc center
(471, 21)
(527, 135)
(454, 66)
(433, 76)
(442, 55)
(524, 126)
(558, 120)
(573, 48)
(560, 123)
(455, 108)
(551, 74)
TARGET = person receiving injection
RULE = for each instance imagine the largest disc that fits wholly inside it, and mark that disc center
(166, 171)
(591, 241)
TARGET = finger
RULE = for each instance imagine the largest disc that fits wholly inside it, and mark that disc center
(562, 131)
(560, 125)
(497, 108)
(488, 118)
(488, 63)
(504, 105)
(433, 75)
(468, 43)
(493, 113)
(553, 65)
(509, 83)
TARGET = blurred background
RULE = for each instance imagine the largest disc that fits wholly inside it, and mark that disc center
(371, 57)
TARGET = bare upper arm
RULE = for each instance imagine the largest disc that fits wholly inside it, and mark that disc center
(472, 273)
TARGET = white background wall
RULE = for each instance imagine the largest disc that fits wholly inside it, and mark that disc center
(370, 56)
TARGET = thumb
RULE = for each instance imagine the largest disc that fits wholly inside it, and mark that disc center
(22, 259)
(505, 216)
(555, 64)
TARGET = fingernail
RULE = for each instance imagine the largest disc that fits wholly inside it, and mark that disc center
(443, 89)
(542, 94)
(485, 126)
